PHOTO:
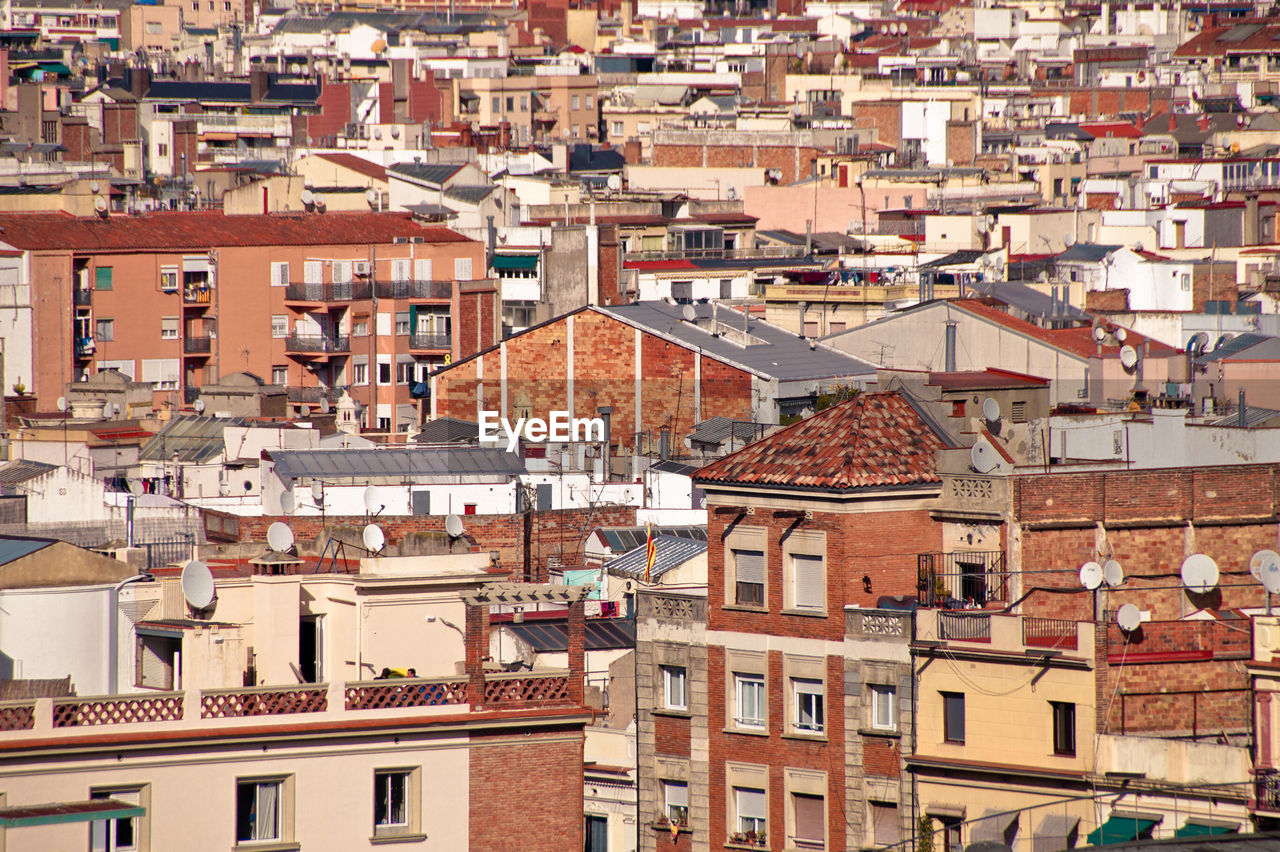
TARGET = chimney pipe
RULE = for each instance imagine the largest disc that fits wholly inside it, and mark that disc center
(950, 365)
(1243, 409)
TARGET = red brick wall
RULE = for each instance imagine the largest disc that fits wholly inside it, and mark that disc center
(880, 756)
(1215, 282)
(526, 792)
(335, 110)
(671, 735)
(794, 163)
(477, 321)
(1107, 300)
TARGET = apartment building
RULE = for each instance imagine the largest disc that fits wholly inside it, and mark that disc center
(320, 303)
(539, 109)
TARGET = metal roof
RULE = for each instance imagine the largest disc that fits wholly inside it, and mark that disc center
(1245, 347)
(599, 634)
(670, 552)
(448, 430)
(1253, 416)
(12, 549)
(622, 539)
(426, 173)
(1087, 253)
(397, 465)
(956, 258)
(714, 430)
(777, 354)
(18, 472)
(1027, 299)
(192, 439)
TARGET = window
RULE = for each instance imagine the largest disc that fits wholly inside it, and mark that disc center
(884, 823)
(157, 661)
(360, 327)
(106, 329)
(1186, 282)
(750, 805)
(576, 102)
(169, 279)
(279, 375)
(953, 716)
(808, 705)
(809, 582)
(615, 128)
(883, 707)
(1064, 727)
(462, 269)
(402, 322)
(674, 681)
(404, 373)
(124, 833)
(675, 802)
(809, 815)
(748, 577)
(102, 278)
(162, 150)
(524, 103)
(497, 104)
(258, 810)
(153, 28)
(391, 801)
(384, 372)
(360, 373)
(279, 325)
(279, 274)
(511, 103)
(749, 690)
(168, 328)
(591, 101)
(597, 833)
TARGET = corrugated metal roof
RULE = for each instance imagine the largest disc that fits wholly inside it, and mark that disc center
(431, 173)
(669, 552)
(18, 472)
(396, 464)
(193, 439)
(1245, 347)
(599, 634)
(448, 430)
(715, 430)
(12, 549)
(622, 539)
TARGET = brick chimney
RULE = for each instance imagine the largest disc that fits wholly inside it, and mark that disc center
(259, 81)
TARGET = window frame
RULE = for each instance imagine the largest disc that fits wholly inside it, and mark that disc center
(670, 809)
(140, 825)
(815, 691)
(170, 328)
(758, 823)
(411, 791)
(99, 324)
(797, 548)
(1064, 727)
(757, 681)
(668, 680)
(890, 721)
(284, 829)
(951, 702)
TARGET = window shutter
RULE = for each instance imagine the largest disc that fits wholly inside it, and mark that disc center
(422, 269)
(810, 588)
(749, 565)
(750, 803)
(313, 271)
(809, 822)
(884, 823)
(400, 269)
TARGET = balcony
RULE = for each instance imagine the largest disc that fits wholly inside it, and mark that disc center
(197, 345)
(310, 292)
(427, 340)
(883, 624)
(199, 295)
(314, 395)
(971, 578)
(413, 289)
(1267, 791)
(85, 347)
(977, 631)
(317, 344)
(190, 394)
(84, 297)
(676, 609)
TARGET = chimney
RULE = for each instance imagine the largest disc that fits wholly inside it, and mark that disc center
(259, 80)
(950, 364)
(492, 241)
(139, 81)
(1243, 410)
(1252, 225)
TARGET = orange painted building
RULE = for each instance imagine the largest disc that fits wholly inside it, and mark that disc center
(318, 302)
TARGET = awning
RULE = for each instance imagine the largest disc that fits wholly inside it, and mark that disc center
(1055, 832)
(1123, 828)
(515, 261)
(1197, 826)
(63, 812)
(945, 809)
(992, 825)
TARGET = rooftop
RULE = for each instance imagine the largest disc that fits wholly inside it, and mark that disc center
(396, 465)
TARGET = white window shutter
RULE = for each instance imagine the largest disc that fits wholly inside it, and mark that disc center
(810, 587)
(749, 565)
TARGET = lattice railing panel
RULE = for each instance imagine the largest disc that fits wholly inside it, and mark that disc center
(165, 707)
(526, 690)
(405, 693)
(17, 717)
(275, 702)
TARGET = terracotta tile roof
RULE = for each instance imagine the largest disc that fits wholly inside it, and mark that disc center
(357, 164)
(875, 440)
(202, 230)
(1077, 340)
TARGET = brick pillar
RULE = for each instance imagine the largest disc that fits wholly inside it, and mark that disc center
(1264, 730)
(577, 650)
(476, 640)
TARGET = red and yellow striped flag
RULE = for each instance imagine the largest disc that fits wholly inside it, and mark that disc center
(650, 553)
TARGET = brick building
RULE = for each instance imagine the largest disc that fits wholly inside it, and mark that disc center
(318, 302)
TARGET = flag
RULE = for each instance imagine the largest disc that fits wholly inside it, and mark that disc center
(650, 553)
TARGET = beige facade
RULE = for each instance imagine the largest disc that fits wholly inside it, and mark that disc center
(539, 109)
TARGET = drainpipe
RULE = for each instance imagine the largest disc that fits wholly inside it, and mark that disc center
(950, 366)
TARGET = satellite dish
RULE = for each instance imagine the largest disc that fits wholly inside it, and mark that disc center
(1270, 578)
(288, 503)
(453, 526)
(317, 491)
(983, 456)
(197, 585)
(371, 196)
(100, 204)
(689, 313)
(279, 537)
(1121, 335)
(1196, 345)
(1091, 575)
(134, 486)
(1258, 564)
(614, 182)
(95, 187)
(62, 403)
(324, 406)
(1128, 617)
(1199, 574)
(317, 199)
(1069, 240)
(198, 405)
(374, 539)
(1099, 333)
(308, 196)
(224, 488)
(373, 500)
(1113, 573)
(990, 410)
(1128, 357)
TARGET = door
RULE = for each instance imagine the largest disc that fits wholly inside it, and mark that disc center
(400, 269)
(310, 644)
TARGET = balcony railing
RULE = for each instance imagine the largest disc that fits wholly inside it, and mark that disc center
(84, 297)
(267, 701)
(964, 626)
(200, 345)
(190, 394)
(344, 291)
(416, 692)
(427, 340)
(197, 294)
(1049, 633)
(1267, 791)
(960, 579)
(413, 289)
(317, 343)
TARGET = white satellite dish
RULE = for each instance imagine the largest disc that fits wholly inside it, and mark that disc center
(317, 491)
(373, 500)
(371, 196)
(100, 204)
(62, 403)
(197, 585)
(199, 406)
(1099, 334)
(224, 488)
(279, 537)
(288, 503)
(317, 199)
(614, 182)
(688, 313)
(1259, 564)
(1069, 240)
(453, 526)
(1128, 357)
(1112, 573)
(308, 196)
(374, 539)
(1199, 573)
(134, 486)
(983, 456)
(1091, 575)
(324, 406)
(1128, 617)
(1121, 335)
(1271, 577)
(990, 410)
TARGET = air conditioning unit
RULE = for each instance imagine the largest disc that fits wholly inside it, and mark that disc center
(362, 267)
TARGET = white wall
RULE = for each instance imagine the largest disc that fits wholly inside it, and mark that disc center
(52, 633)
(1164, 441)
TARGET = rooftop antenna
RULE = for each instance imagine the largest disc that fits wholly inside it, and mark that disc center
(1091, 575)
(1113, 573)
(197, 585)
(1199, 574)
(1128, 617)
(453, 526)
(374, 539)
(280, 537)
